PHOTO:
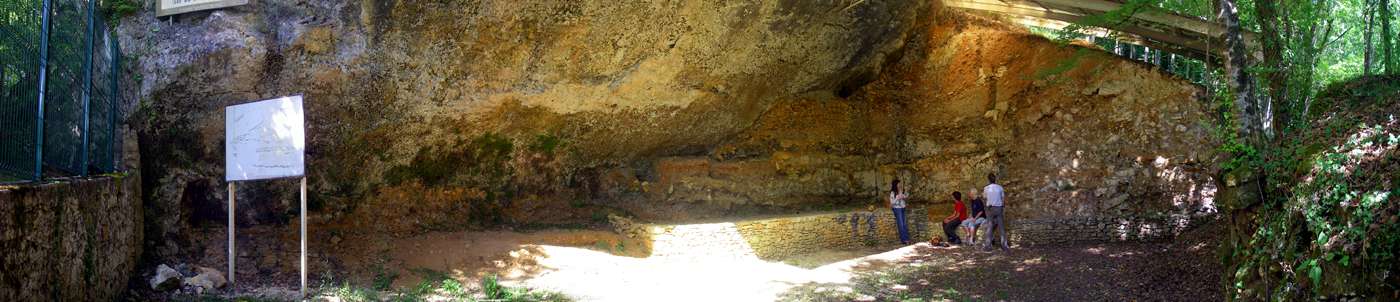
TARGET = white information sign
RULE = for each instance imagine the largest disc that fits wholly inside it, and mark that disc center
(171, 7)
(264, 139)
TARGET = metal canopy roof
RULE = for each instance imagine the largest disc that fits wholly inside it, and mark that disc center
(1184, 35)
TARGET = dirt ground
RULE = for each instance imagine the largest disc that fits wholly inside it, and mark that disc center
(1185, 270)
(469, 256)
(572, 263)
(592, 265)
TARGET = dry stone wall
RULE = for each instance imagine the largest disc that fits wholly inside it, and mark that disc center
(787, 236)
(74, 240)
(778, 237)
(1098, 229)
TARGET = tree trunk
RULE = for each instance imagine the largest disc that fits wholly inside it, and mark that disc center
(1387, 37)
(1276, 75)
(1251, 188)
(1370, 19)
(1238, 79)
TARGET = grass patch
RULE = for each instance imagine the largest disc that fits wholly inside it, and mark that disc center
(492, 290)
(213, 298)
(436, 286)
(383, 279)
(349, 293)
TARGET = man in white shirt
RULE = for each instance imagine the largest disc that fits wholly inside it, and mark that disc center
(996, 198)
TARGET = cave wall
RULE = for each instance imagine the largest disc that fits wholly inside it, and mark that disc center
(474, 110)
(1071, 130)
(429, 115)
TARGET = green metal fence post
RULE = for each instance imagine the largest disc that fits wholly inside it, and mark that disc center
(87, 90)
(43, 82)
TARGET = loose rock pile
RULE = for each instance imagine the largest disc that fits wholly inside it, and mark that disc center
(201, 280)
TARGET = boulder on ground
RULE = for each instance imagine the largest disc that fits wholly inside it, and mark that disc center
(166, 278)
(207, 279)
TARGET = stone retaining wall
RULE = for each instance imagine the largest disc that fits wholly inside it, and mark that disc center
(1098, 229)
(780, 237)
(76, 240)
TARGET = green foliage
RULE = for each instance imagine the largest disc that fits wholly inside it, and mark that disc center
(117, 9)
(417, 293)
(1111, 19)
(492, 288)
(494, 291)
(1239, 156)
(213, 298)
(349, 293)
(1330, 231)
(434, 287)
(430, 275)
(454, 289)
(383, 279)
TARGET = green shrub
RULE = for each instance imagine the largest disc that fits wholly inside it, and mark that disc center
(117, 9)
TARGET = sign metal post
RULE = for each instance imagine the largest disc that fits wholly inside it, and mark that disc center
(303, 237)
(231, 202)
(265, 140)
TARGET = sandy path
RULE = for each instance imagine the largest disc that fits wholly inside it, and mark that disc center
(595, 276)
(602, 266)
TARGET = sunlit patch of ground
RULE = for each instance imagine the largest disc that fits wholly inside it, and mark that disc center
(591, 265)
(602, 266)
(592, 275)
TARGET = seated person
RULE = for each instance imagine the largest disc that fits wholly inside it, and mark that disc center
(950, 224)
(979, 217)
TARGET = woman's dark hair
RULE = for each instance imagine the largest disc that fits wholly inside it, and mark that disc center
(894, 186)
(957, 195)
(992, 177)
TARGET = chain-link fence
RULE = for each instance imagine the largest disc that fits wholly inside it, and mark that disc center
(59, 66)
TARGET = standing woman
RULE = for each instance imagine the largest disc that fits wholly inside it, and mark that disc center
(897, 197)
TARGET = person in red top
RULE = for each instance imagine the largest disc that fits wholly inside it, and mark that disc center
(950, 224)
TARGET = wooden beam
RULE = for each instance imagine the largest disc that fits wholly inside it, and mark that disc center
(1182, 48)
(1059, 25)
(1028, 11)
(1192, 36)
(1153, 15)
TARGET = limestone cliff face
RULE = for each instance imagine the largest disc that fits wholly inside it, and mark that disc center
(426, 115)
(478, 106)
(1071, 130)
